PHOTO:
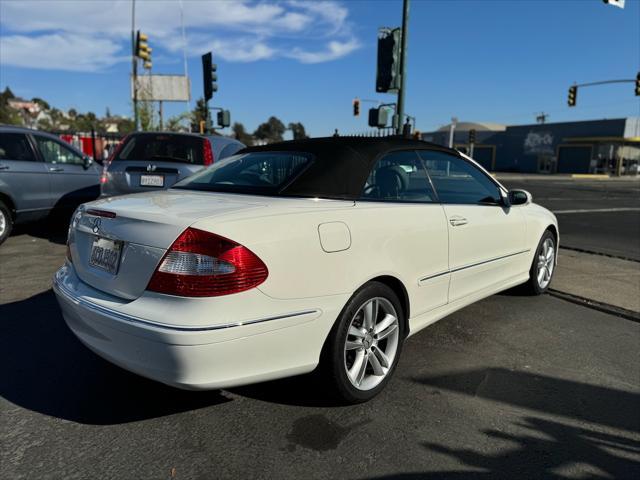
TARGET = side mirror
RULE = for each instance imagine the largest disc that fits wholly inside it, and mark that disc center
(505, 201)
(87, 161)
(520, 197)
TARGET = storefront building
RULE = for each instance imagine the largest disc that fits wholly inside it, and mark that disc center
(595, 146)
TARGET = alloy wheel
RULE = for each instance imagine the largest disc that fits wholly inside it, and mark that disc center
(372, 343)
(3, 223)
(546, 263)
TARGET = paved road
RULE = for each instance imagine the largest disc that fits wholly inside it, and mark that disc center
(512, 387)
(615, 232)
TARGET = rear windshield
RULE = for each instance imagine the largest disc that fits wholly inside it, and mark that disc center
(163, 148)
(252, 173)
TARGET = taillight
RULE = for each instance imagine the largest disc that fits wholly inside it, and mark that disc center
(207, 153)
(104, 178)
(202, 264)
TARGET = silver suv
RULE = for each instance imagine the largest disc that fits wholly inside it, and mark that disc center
(147, 161)
(40, 173)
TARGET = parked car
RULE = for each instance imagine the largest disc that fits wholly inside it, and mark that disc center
(148, 161)
(284, 257)
(40, 173)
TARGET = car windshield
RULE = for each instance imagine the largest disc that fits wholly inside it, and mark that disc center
(162, 147)
(263, 173)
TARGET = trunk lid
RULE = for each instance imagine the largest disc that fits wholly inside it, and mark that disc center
(134, 176)
(142, 227)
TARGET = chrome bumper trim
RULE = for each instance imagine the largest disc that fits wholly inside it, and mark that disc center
(61, 290)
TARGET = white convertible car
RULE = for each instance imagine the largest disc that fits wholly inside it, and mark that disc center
(324, 253)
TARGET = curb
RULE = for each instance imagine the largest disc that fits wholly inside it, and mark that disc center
(601, 307)
(590, 176)
(591, 252)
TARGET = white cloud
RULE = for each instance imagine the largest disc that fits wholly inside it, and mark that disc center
(43, 33)
(59, 52)
(333, 51)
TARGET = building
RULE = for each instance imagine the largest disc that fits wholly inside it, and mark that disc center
(595, 146)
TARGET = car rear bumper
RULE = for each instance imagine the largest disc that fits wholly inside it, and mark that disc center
(197, 357)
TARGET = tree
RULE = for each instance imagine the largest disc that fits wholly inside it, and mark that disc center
(241, 134)
(8, 115)
(107, 113)
(271, 131)
(199, 113)
(179, 123)
(298, 131)
(146, 114)
(126, 126)
(43, 104)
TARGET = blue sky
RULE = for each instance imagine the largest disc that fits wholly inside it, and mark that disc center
(495, 60)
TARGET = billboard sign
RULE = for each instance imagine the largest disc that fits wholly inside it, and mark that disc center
(165, 88)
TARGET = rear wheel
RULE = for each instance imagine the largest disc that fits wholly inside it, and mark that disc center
(543, 265)
(6, 222)
(364, 346)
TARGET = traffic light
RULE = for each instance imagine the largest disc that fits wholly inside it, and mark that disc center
(356, 107)
(224, 118)
(388, 69)
(573, 95)
(143, 51)
(472, 136)
(209, 76)
(638, 85)
(378, 117)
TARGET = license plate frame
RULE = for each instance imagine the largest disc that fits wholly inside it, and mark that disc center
(151, 180)
(105, 254)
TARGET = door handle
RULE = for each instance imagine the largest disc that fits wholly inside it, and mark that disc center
(458, 221)
(56, 169)
(4, 167)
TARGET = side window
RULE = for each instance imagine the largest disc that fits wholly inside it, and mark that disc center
(458, 181)
(15, 146)
(398, 177)
(55, 152)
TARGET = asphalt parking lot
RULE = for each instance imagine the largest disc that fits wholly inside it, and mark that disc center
(511, 387)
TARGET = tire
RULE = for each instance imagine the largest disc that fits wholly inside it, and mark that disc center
(536, 286)
(6, 222)
(357, 360)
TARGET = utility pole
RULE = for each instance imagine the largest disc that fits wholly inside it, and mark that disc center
(403, 67)
(452, 129)
(541, 117)
(134, 66)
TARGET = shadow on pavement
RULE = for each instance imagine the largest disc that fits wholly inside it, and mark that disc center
(301, 391)
(543, 447)
(592, 403)
(52, 228)
(47, 370)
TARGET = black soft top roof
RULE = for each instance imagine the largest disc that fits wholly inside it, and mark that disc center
(341, 164)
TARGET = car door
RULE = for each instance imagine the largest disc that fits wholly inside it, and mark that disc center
(73, 181)
(408, 225)
(486, 239)
(23, 177)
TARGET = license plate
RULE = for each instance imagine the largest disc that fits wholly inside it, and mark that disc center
(152, 180)
(105, 254)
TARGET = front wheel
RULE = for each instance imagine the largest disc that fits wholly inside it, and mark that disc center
(364, 346)
(543, 265)
(6, 222)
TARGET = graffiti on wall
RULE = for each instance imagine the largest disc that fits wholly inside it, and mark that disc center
(537, 143)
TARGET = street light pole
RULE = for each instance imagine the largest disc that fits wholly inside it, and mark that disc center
(403, 67)
(134, 65)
